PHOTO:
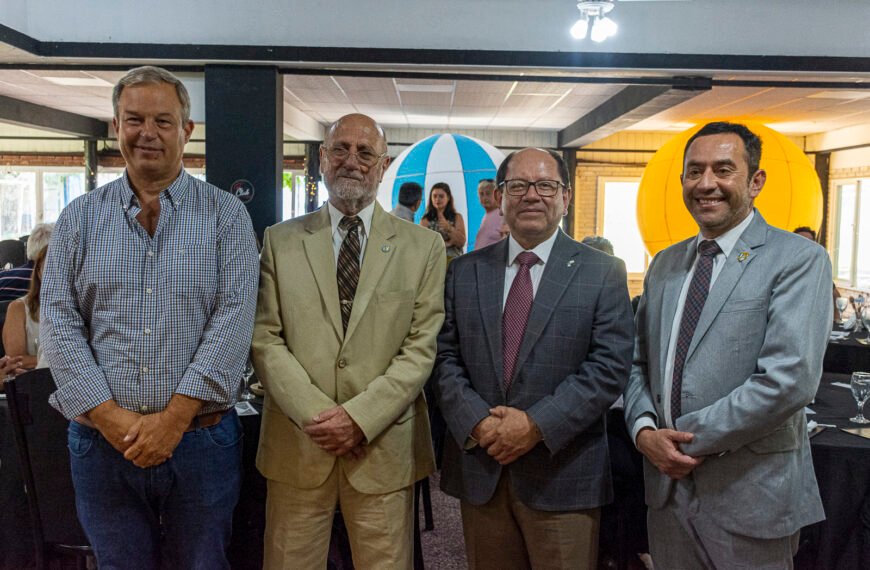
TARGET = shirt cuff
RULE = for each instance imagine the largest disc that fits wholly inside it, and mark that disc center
(644, 421)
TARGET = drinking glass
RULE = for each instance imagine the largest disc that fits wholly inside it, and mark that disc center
(246, 376)
(842, 304)
(860, 390)
(865, 318)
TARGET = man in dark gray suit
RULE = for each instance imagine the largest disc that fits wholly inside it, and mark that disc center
(534, 349)
(732, 329)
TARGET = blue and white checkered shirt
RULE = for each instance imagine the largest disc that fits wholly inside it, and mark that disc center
(134, 318)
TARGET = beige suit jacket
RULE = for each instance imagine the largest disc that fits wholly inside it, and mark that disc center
(376, 371)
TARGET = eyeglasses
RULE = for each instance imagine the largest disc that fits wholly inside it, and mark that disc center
(365, 157)
(519, 187)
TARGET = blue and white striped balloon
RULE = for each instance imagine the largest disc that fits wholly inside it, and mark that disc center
(458, 160)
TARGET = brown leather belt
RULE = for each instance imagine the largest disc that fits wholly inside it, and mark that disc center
(203, 421)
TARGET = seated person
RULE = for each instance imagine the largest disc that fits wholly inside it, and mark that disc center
(15, 282)
(21, 329)
(410, 196)
(9, 366)
(600, 243)
(810, 234)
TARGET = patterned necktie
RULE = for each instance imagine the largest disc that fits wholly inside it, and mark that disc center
(695, 299)
(516, 314)
(348, 266)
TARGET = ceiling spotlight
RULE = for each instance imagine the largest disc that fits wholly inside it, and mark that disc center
(593, 14)
(579, 29)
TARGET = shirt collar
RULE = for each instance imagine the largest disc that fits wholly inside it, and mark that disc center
(542, 250)
(728, 240)
(365, 216)
(174, 192)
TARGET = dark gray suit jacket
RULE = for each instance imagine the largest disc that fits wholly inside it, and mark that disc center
(573, 363)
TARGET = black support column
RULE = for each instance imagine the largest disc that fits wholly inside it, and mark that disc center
(823, 169)
(312, 175)
(244, 118)
(91, 165)
(569, 155)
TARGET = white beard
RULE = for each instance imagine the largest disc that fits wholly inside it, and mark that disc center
(352, 193)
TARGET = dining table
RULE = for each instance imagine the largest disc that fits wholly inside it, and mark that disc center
(842, 465)
(847, 354)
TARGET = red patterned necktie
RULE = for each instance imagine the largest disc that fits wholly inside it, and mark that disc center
(516, 314)
(347, 270)
(695, 299)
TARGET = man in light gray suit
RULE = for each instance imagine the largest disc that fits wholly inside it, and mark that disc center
(731, 333)
(535, 347)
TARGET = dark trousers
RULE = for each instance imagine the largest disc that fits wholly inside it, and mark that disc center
(174, 515)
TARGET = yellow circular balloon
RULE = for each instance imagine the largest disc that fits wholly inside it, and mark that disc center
(791, 197)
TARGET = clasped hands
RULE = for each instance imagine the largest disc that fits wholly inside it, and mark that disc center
(335, 432)
(507, 434)
(662, 448)
(145, 440)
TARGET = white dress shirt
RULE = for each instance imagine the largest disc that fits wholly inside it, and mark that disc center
(542, 250)
(338, 234)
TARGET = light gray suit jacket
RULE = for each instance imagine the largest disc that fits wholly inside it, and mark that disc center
(754, 363)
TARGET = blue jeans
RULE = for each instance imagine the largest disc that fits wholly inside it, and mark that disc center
(174, 515)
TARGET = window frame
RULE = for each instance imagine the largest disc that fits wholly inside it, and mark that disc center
(600, 198)
(837, 218)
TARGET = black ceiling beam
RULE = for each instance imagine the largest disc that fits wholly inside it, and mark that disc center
(631, 105)
(39, 116)
(474, 76)
(396, 56)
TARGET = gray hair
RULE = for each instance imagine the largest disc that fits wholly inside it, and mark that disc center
(149, 74)
(38, 240)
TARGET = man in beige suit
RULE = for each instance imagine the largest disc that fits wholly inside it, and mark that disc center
(350, 303)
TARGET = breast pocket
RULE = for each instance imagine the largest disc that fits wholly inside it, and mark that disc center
(193, 269)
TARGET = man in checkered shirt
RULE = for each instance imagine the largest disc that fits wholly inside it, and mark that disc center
(147, 312)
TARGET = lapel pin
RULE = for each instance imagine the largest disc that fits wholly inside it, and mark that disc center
(742, 256)
(385, 248)
(570, 262)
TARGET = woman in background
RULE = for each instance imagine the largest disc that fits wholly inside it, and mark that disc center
(442, 217)
(21, 329)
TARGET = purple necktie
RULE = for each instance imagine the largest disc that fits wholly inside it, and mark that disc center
(516, 314)
(695, 299)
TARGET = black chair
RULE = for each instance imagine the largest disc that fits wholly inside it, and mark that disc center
(3, 306)
(40, 435)
(12, 251)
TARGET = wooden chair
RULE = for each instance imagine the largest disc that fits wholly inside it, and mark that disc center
(41, 438)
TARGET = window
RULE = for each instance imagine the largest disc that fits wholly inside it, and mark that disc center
(617, 221)
(851, 247)
(29, 196)
(17, 204)
(293, 197)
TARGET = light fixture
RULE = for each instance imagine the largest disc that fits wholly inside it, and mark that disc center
(593, 13)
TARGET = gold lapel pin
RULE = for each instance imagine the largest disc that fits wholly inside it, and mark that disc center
(385, 248)
(743, 256)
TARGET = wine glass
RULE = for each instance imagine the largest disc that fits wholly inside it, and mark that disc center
(246, 377)
(865, 318)
(842, 304)
(860, 390)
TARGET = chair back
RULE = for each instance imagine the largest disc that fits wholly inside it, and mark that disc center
(12, 251)
(3, 306)
(41, 438)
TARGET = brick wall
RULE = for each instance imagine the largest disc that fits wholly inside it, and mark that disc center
(586, 180)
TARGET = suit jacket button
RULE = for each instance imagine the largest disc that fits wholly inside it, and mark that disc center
(658, 398)
(342, 363)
